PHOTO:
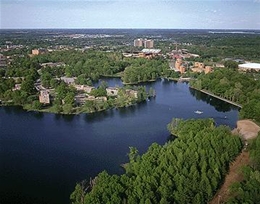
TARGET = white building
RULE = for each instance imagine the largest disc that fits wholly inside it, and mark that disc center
(249, 66)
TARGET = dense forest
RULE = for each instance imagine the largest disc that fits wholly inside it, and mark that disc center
(248, 190)
(91, 64)
(213, 47)
(188, 169)
(242, 88)
(142, 70)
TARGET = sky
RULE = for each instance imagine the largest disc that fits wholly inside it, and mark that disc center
(165, 14)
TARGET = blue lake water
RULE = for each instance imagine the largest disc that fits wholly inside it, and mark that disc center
(43, 155)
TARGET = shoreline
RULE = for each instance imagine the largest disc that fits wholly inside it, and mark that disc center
(218, 97)
(140, 82)
(170, 79)
(76, 110)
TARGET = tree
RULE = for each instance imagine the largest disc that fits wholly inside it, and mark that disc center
(132, 154)
(67, 108)
(69, 98)
(28, 86)
(98, 92)
(36, 105)
(169, 173)
(231, 64)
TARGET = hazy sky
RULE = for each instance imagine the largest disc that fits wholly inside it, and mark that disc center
(187, 14)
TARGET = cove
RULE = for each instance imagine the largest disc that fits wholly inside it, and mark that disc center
(43, 155)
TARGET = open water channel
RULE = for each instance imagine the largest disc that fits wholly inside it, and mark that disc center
(43, 155)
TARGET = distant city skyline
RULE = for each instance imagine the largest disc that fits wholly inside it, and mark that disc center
(145, 14)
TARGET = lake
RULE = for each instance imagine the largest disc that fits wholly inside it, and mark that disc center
(43, 155)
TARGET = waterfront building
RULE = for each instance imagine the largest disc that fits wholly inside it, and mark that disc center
(132, 93)
(44, 97)
(112, 91)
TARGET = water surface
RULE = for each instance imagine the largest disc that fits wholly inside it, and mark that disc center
(43, 155)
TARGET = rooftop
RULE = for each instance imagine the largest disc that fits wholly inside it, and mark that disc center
(153, 51)
(250, 66)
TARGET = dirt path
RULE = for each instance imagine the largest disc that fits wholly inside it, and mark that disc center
(234, 175)
(247, 130)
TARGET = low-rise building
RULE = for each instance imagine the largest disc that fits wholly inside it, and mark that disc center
(84, 88)
(17, 87)
(249, 66)
(112, 91)
(132, 93)
(101, 98)
(198, 70)
(68, 80)
(44, 97)
(178, 63)
(182, 69)
(199, 65)
(53, 64)
(149, 53)
(39, 51)
(2, 60)
(208, 69)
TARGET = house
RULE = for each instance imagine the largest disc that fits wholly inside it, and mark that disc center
(68, 80)
(101, 98)
(112, 91)
(199, 65)
(84, 88)
(17, 87)
(132, 93)
(44, 97)
(80, 98)
(39, 51)
(208, 69)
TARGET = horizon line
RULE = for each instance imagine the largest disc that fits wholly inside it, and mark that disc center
(130, 29)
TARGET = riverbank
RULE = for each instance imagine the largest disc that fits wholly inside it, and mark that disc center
(139, 82)
(218, 97)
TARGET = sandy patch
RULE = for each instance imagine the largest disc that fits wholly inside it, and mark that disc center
(247, 129)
